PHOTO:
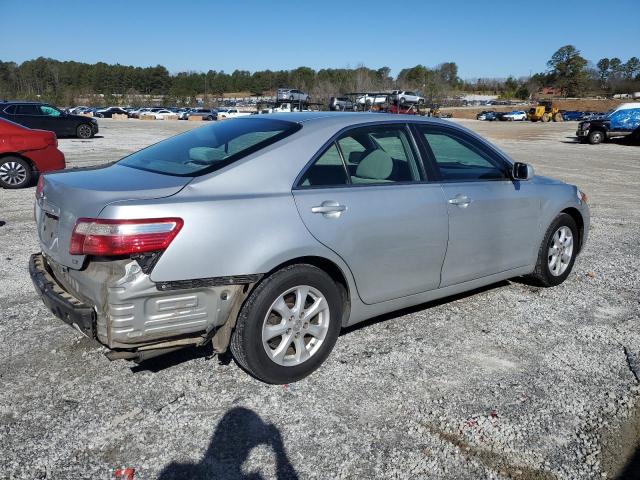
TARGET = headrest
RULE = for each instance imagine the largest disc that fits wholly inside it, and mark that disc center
(376, 165)
(206, 154)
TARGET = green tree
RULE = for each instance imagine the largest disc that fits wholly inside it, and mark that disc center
(603, 70)
(568, 68)
(632, 68)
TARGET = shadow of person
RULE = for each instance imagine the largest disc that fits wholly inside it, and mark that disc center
(237, 433)
(632, 470)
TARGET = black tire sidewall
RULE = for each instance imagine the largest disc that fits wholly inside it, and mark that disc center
(596, 137)
(83, 125)
(561, 220)
(257, 359)
(30, 174)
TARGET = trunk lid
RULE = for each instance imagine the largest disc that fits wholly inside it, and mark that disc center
(67, 196)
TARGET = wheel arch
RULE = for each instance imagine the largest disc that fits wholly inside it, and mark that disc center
(330, 268)
(21, 157)
(577, 217)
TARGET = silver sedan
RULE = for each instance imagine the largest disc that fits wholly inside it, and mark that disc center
(269, 234)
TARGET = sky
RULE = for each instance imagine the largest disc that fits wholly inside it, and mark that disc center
(487, 39)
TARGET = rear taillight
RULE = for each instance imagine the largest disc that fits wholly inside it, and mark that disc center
(92, 236)
(40, 185)
(53, 140)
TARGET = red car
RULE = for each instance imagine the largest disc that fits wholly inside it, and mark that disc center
(25, 153)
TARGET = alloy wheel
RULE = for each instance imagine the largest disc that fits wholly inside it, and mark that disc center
(560, 251)
(13, 173)
(296, 325)
(84, 131)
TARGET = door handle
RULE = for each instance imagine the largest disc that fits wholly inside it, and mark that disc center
(460, 200)
(329, 208)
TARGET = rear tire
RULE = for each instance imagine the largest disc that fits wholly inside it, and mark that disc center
(557, 252)
(15, 173)
(277, 349)
(84, 131)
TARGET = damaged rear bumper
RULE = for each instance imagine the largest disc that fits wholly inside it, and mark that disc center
(61, 303)
(119, 305)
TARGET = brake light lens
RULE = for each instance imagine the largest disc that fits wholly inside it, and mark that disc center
(104, 237)
(52, 139)
(40, 185)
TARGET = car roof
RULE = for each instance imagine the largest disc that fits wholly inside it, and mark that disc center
(342, 119)
(22, 101)
(627, 106)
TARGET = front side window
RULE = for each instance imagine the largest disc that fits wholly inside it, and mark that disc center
(49, 111)
(210, 148)
(459, 159)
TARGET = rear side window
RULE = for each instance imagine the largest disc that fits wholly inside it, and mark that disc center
(379, 154)
(210, 148)
(372, 155)
(328, 170)
(28, 110)
(459, 159)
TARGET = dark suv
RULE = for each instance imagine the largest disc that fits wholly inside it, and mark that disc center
(45, 117)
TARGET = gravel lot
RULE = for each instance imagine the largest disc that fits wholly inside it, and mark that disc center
(511, 381)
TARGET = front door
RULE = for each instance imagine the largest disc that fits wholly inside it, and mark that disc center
(493, 220)
(365, 197)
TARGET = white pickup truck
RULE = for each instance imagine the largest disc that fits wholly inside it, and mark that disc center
(230, 113)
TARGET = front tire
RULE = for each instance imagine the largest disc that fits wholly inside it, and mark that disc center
(596, 137)
(15, 173)
(557, 252)
(84, 131)
(288, 324)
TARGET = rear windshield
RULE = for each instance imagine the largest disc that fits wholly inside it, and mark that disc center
(210, 148)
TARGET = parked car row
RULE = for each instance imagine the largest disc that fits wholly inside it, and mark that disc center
(492, 115)
(160, 113)
(521, 115)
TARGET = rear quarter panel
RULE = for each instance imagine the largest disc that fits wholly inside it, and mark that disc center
(239, 220)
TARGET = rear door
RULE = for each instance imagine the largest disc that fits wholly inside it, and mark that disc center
(493, 220)
(29, 115)
(366, 197)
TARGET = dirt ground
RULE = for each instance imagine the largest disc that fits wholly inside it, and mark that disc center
(603, 105)
(510, 381)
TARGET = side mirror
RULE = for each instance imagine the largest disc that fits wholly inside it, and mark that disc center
(522, 171)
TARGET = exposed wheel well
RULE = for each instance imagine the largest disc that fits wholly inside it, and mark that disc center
(331, 269)
(577, 217)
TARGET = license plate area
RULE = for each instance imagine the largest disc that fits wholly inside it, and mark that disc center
(49, 231)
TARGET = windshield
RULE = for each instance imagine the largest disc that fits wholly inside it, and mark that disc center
(608, 114)
(210, 148)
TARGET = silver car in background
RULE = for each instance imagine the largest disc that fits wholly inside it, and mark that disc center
(271, 233)
(291, 95)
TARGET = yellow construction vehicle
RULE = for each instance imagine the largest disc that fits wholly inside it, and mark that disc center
(545, 111)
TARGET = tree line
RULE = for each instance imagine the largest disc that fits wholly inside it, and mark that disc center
(63, 82)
